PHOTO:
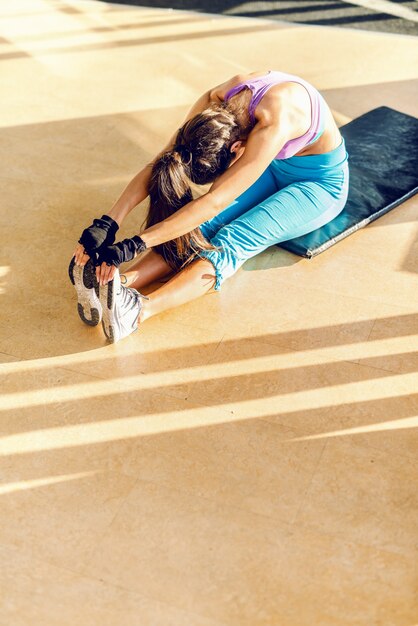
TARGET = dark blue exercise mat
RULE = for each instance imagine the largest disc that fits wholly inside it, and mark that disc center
(383, 160)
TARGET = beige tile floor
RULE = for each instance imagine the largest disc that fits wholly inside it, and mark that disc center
(250, 458)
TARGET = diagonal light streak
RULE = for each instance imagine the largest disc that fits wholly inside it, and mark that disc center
(157, 381)
(347, 347)
(198, 416)
(385, 6)
(41, 482)
(400, 424)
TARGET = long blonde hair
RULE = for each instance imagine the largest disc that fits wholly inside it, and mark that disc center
(201, 153)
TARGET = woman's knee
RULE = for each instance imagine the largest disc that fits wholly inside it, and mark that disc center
(207, 269)
(208, 263)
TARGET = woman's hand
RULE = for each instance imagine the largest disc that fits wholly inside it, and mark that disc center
(110, 257)
(80, 255)
(105, 273)
(101, 232)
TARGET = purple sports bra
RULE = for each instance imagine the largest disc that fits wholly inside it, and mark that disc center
(259, 86)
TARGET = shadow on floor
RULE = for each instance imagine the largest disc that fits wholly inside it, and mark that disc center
(313, 12)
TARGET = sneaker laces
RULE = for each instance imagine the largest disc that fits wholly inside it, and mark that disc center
(131, 297)
(124, 280)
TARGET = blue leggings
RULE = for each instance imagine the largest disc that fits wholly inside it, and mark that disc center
(292, 197)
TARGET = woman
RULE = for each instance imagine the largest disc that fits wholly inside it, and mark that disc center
(269, 144)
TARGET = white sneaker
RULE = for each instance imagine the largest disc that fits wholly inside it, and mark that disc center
(121, 307)
(87, 288)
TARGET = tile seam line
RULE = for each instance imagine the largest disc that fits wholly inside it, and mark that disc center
(301, 525)
(401, 555)
(135, 592)
(307, 490)
(372, 328)
(210, 360)
(12, 355)
(269, 21)
(384, 369)
(23, 551)
(336, 362)
(98, 377)
(287, 526)
(411, 456)
(282, 343)
(343, 294)
(103, 534)
(193, 403)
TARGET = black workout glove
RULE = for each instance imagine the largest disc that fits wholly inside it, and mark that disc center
(101, 232)
(120, 252)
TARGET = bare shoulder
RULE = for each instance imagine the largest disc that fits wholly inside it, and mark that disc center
(286, 102)
(274, 105)
(219, 92)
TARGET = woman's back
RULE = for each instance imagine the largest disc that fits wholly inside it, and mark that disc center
(259, 85)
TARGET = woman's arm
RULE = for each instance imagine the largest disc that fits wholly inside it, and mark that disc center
(134, 193)
(263, 144)
(137, 189)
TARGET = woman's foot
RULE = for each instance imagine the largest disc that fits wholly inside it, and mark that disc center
(121, 308)
(87, 288)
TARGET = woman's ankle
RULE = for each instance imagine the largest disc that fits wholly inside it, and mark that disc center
(145, 312)
(126, 279)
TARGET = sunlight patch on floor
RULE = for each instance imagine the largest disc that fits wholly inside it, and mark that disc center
(23, 485)
(198, 416)
(210, 372)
